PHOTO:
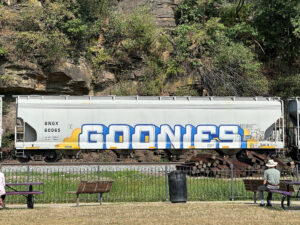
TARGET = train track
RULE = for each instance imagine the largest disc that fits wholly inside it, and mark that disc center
(93, 164)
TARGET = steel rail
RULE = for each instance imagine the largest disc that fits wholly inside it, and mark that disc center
(93, 164)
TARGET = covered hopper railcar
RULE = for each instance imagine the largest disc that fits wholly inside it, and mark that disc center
(293, 125)
(46, 124)
(1, 130)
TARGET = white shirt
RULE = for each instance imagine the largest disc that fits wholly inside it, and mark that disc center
(2, 184)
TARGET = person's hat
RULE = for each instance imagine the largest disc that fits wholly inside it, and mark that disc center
(271, 163)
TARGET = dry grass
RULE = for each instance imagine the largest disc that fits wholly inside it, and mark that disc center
(151, 213)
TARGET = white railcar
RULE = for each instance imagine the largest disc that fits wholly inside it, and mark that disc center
(293, 123)
(135, 122)
(1, 130)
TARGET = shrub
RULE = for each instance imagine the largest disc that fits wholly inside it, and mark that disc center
(152, 81)
(221, 65)
(124, 88)
(287, 85)
(3, 52)
(49, 46)
(99, 57)
(133, 34)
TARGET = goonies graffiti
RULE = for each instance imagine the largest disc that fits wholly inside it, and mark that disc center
(149, 136)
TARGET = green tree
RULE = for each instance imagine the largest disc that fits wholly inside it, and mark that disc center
(275, 21)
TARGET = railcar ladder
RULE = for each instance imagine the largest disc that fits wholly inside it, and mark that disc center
(20, 136)
(20, 130)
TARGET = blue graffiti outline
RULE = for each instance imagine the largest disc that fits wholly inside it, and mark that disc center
(155, 134)
(193, 132)
(130, 134)
(93, 132)
(211, 136)
(240, 132)
(183, 131)
(168, 141)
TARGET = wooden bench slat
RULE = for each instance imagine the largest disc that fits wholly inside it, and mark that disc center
(252, 185)
(285, 193)
(92, 187)
(23, 192)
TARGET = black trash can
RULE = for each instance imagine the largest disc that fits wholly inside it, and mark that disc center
(177, 186)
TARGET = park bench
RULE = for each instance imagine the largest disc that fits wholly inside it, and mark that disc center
(253, 184)
(92, 187)
(27, 194)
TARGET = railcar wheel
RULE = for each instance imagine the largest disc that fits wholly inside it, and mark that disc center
(51, 156)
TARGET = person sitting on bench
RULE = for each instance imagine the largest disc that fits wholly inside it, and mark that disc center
(271, 181)
(2, 189)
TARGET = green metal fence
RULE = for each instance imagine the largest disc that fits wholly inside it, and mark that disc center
(138, 184)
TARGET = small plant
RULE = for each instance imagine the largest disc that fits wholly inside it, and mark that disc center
(174, 69)
(124, 88)
(99, 57)
(7, 141)
(6, 79)
(4, 107)
(3, 52)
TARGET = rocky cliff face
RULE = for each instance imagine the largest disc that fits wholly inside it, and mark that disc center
(28, 78)
(66, 76)
(163, 10)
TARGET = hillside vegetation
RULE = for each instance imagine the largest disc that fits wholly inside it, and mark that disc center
(218, 47)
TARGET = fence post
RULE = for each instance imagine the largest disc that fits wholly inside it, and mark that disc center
(232, 188)
(297, 172)
(166, 182)
(28, 174)
(297, 175)
(98, 173)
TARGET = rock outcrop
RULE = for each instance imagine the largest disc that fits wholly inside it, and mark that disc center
(64, 77)
(69, 78)
(104, 79)
(22, 77)
(163, 10)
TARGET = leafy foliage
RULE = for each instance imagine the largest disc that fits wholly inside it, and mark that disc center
(3, 52)
(276, 22)
(132, 39)
(58, 28)
(152, 82)
(235, 47)
(131, 35)
(223, 67)
(49, 46)
(287, 86)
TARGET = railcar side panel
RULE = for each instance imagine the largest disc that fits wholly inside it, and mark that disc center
(1, 130)
(85, 122)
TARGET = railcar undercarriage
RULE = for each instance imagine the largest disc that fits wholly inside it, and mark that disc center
(171, 155)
